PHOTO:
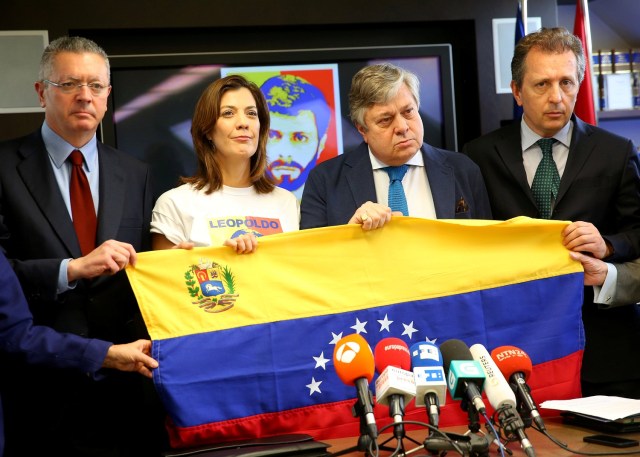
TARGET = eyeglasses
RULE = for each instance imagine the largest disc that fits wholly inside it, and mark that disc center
(69, 87)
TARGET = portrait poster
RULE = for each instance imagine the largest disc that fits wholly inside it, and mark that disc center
(304, 105)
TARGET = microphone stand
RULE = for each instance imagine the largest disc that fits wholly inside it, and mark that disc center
(475, 427)
(365, 441)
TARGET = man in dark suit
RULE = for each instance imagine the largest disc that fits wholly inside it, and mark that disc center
(72, 274)
(553, 165)
(42, 345)
(355, 187)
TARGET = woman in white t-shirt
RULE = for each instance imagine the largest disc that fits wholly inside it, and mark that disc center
(230, 200)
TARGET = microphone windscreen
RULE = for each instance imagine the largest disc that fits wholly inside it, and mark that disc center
(353, 359)
(454, 350)
(425, 354)
(392, 352)
(510, 360)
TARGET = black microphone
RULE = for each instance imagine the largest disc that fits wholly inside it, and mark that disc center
(516, 366)
(465, 377)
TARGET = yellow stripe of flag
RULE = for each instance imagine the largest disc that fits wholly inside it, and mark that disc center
(339, 269)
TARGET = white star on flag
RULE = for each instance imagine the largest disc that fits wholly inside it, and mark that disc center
(335, 338)
(409, 330)
(314, 386)
(321, 361)
(359, 327)
(385, 323)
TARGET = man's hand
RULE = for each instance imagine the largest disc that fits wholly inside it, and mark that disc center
(595, 270)
(107, 259)
(131, 357)
(244, 244)
(372, 216)
(584, 237)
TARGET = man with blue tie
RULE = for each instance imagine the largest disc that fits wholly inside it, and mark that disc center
(393, 172)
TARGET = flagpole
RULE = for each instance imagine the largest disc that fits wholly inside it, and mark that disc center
(584, 4)
(523, 7)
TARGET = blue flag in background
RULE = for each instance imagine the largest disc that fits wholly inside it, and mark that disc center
(517, 110)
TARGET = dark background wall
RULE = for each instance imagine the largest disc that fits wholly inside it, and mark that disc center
(141, 27)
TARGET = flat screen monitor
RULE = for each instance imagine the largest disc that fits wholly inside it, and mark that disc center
(154, 96)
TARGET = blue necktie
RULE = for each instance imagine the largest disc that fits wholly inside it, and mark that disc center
(546, 180)
(397, 199)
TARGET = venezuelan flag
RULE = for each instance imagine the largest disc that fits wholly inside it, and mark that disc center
(245, 342)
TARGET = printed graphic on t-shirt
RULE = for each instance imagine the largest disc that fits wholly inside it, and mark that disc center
(234, 226)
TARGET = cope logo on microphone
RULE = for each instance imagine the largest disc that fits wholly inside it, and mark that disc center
(347, 352)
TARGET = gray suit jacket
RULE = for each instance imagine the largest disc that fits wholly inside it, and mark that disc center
(628, 283)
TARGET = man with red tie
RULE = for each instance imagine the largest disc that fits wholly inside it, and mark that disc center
(73, 214)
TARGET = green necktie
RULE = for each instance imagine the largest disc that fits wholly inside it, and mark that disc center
(546, 180)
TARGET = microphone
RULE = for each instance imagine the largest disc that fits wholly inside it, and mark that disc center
(431, 386)
(353, 360)
(395, 387)
(502, 398)
(516, 366)
(465, 377)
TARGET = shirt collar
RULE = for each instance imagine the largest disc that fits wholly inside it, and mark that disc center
(529, 137)
(417, 160)
(59, 149)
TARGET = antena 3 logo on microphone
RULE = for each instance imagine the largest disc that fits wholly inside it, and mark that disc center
(347, 352)
(353, 359)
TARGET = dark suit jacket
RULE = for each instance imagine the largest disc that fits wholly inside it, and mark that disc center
(337, 187)
(601, 185)
(39, 345)
(37, 233)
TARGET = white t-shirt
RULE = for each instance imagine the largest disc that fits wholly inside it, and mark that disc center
(187, 214)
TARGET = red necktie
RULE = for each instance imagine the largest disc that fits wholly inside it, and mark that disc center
(82, 209)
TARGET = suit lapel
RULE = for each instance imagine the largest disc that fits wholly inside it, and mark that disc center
(359, 175)
(509, 148)
(112, 195)
(579, 151)
(37, 175)
(441, 179)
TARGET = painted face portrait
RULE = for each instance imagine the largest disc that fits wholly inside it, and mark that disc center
(293, 148)
(299, 122)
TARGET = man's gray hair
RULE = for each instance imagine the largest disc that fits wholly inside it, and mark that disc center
(377, 84)
(76, 45)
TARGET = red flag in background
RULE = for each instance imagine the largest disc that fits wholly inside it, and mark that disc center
(585, 108)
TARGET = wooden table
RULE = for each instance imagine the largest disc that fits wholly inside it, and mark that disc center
(543, 446)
